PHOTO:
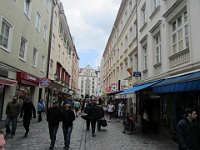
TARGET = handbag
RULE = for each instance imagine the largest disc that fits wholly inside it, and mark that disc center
(103, 122)
(85, 117)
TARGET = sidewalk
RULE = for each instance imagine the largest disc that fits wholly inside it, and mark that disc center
(110, 138)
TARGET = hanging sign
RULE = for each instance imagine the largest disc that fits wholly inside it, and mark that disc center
(45, 82)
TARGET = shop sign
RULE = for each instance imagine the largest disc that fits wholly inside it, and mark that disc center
(108, 89)
(45, 82)
(65, 90)
(123, 85)
(26, 76)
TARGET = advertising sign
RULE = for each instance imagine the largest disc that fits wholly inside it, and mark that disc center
(45, 82)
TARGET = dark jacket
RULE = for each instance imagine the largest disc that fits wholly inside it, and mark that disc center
(188, 135)
(101, 112)
(28, 110)
(13, 109)
(87, 108)
(68, 117)
(93, 112)
(54, 115)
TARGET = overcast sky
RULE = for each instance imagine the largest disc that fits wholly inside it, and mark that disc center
(90, 23)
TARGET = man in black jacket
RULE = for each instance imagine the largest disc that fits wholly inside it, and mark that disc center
(54, 116)
(28, 110)
(94, 115)
(101, 115)
(188, 132)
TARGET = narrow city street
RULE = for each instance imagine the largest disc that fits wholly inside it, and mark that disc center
(110, 138)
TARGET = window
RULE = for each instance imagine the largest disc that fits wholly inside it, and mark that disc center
(37, 22)
(63, 57)
(47, 5)
(144, 18)
(58, 50)
(130, 6)
(158, 48)
(145, 57)
(42, 63)
(126, 42)
(69, 51)
(5, 35)
(51, 67)
(27, 7)
(130, 35)
(180, 36)
(135, 29)
(34, 57)
(45, 32)
(22, 48)
(156, 3)
(53, 41)
(55, 17)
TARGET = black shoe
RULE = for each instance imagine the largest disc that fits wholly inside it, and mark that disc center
(51, 147)
(93, 135)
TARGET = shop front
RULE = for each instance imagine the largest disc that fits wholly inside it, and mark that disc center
(176, 95)
(28, 83)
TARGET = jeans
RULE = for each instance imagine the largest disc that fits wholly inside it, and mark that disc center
(52, 132)
(26, 123)
(67, 134)
(14, 124)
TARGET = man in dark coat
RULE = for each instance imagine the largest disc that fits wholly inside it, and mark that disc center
(101, 115)
(54, 115)
(94, 115)
(28, 110)
(188, 131)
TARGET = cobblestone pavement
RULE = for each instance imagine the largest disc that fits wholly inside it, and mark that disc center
(110, 138)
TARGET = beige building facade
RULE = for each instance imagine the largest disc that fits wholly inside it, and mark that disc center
(25, 27)
(159, 40)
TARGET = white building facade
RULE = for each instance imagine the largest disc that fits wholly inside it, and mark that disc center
(88, 82)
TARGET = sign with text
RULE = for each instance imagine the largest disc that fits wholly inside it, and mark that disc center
(137, 74)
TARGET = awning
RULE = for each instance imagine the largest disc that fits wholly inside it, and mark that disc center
(138, 88)
(9, 82)
(189, 82)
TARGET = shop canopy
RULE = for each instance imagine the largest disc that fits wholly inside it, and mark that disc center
(189, 82)
(138, 88)
(9, 82)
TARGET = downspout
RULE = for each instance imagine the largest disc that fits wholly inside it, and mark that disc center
(49, 50)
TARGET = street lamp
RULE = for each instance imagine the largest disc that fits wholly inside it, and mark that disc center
(56, 77)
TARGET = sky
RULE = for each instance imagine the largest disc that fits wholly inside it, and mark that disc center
(90, 23)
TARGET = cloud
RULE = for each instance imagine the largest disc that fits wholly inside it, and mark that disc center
(90, 23)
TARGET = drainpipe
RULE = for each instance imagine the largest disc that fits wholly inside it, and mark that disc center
(49, 51)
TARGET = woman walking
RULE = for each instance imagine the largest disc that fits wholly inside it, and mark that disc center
(68, 118)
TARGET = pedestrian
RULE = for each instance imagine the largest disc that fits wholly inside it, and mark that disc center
(120, 111)
(28, 111)
(188, 131)
(54, 116)
(77, 106)
(86, 109)
(93, 114)
(110, 109)
(2, 141)
(40, 107)
(12, 111)
(145, 120)
(43, 107)
(68, 117)
(101, 115)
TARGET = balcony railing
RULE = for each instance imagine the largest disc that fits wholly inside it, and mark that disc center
(180, 58)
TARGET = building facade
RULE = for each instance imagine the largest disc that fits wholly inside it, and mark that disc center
(158, 39)
(23, 49)
(88, 81)
(63, 59)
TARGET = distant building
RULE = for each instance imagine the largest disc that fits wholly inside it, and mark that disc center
(88, 82)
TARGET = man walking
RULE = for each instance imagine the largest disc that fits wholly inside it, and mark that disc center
(54, 116)
(93, 113)
(12, 111)
(28, 110)
(188, 131)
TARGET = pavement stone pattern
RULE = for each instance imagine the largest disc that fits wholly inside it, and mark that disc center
(110, 138)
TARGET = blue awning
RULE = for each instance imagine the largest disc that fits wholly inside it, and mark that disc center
(189, 82)
(137, 88)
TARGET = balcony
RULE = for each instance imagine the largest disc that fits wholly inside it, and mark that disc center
(179, 58)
